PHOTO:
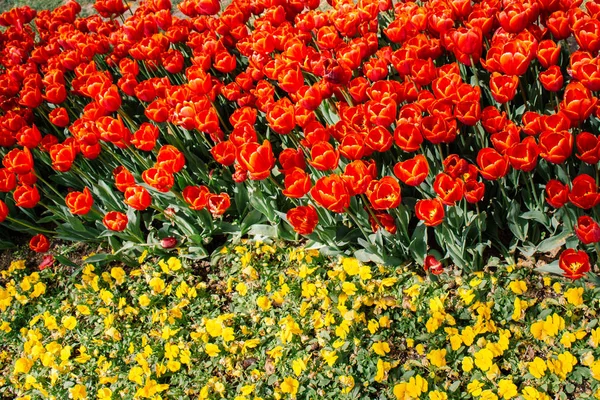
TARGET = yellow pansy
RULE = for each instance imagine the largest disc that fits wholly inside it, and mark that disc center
(537, 367)
(290, 385)
(467, 364)
(507, 389)
(574, 296)
(437, 357)
(381, 348)
(484, 359)
(518, 287)
(78, 392)
(549, 327)
(212, 349)
(69, 322)
(264, 303)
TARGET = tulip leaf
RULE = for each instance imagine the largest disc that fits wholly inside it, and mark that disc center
(553, 242)
(552, 268)
(418, 243)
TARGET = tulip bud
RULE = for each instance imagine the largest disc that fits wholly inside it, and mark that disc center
(168, 242)
(433, 265)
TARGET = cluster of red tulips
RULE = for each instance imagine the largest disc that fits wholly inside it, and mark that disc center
(366, 126)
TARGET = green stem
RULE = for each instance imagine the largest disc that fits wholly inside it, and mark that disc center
(33, 228)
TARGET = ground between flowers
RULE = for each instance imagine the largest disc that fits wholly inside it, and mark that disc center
(269, 321)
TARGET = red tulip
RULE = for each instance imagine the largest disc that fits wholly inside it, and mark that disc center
(26, 196)
(137, 197)
(297, 184)
(412, 172)
(3, 211)
(218, 203)
(557, 194)
(575, 264)
(168, 242)
(584, 192)
(79, 203)
(303, 219)
(39, 243)
(115, 221)
(331, 192)
(257, 159)
(492, 165)
(384, 194)
(587, 230)
(430, 211)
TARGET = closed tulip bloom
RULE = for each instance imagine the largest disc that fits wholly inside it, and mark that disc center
(196, 197)
(257, 159)
(18, 161)
(290, 159)
(297, 184)
(304, 219)
(145, 137)
(556, 147)
(170, 158)
(575, 264)
(281, 116)
(115, 221)
(358, 175)
(547, 53)
(59, 117)
(552, 79)
(39, 243)
(80, 203)
(433, 265)
(8, 180)
(474, 191)
(503, 87)
(524, 155)
(384, 193)
(159, 178)
(448, 189)
(587, 230)
(578, 102)
(412, 172)
(3, 211)
(430, 211)
(224, 153)
(408, 137)
(379, 139)
(588, 148)
(168, 242)
(137, 197)
(324, 156)
(62, 156)
(331, 192)
(584, 192)
(123, 178)
(557, 194)
(26, 196)
(492, 165)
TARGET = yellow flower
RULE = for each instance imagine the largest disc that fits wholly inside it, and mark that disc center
(214, 327)
(104, 394)
(23, 365)
(484, 359)
(212, 349)
(157, 284)
(382, 370)
(381, 348)
(437, 357)
(475, 388)
(574, 296)
(349, 288)
(118, 274)
(550, 327)
(488, 395)
(537, 367)
(290, 385)
(241, 288)
(69, 322)
(595, 369)
(507, 389)
(416, 386)
(351, 266)
(298, 365)
(519, 306)
(518, 287)
(78, 392)
(437, 395)
(144, 300)
(329, 356)
(143, 256)
(467, 364)
(563, 365)
(530, 393)
(264, 303)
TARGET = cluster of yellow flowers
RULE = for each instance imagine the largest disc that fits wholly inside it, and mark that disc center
(269, 322)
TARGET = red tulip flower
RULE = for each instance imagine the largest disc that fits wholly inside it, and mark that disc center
(303, 219)
(575, 264)
(39, 243)
(587, 230)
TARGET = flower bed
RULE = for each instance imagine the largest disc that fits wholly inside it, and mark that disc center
(389, 132)
(279, 322)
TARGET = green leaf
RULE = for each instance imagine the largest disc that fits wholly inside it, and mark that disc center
(553, 242)
(418, 243)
